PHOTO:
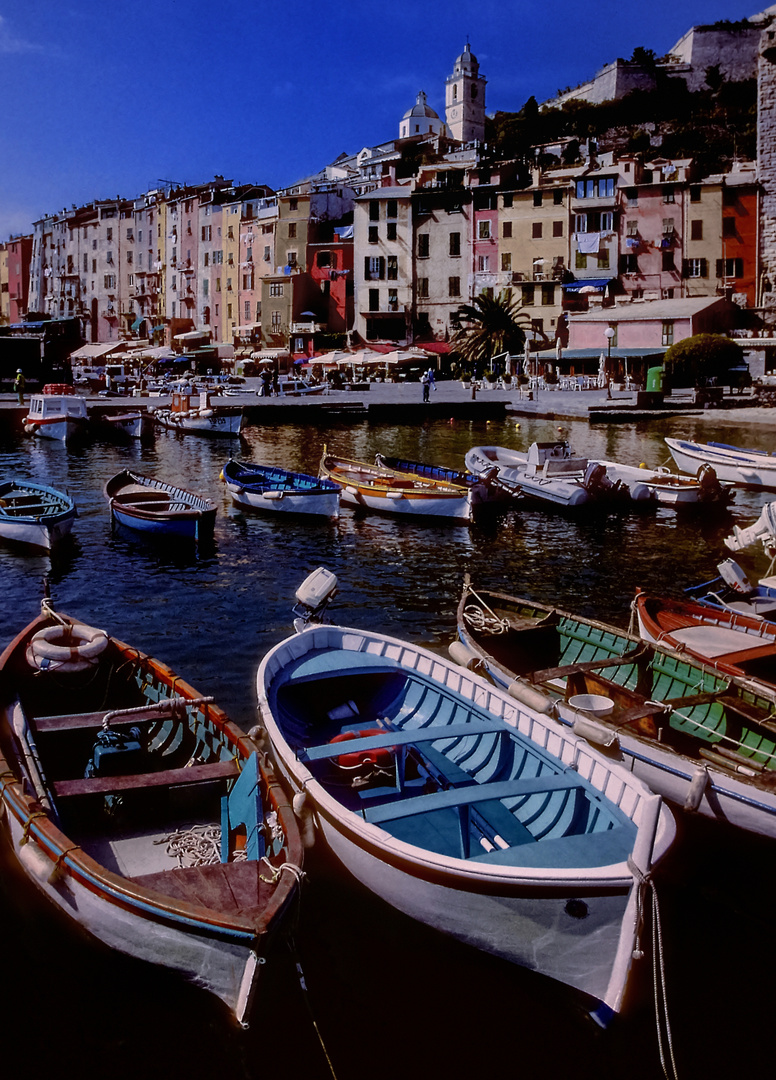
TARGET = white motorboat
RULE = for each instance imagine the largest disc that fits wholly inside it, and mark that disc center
(58, 413)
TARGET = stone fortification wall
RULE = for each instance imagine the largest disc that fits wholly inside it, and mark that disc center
(734, 49)
(612, 82)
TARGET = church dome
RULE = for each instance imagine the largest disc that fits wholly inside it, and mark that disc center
(421, 108)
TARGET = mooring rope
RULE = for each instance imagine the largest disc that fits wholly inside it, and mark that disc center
(644, 882)
(303, 985)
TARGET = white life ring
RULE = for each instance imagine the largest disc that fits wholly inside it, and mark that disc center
(66, 648)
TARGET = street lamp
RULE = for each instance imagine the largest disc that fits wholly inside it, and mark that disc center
(609, 333)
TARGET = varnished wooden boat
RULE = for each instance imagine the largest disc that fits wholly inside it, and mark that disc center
(374, 487)
(140, 810)
(156, 508)
(703, 740)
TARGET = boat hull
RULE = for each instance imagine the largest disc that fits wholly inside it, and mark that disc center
(53, 519)
(386, 491)
(278, 491)
(220, 424)
(157, 509)
(693, 781)
(325, 504)
(58, 429)
(575, 924)
(748, 469)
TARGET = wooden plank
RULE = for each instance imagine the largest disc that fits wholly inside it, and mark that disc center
(109, 785)
(468, 796)
(75, 721)
(585, 665)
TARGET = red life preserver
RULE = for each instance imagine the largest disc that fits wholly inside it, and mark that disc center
(58, 388)
(382, 755)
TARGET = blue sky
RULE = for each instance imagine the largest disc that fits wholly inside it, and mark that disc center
(104, 97)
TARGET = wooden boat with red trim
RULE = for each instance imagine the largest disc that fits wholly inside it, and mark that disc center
(140, 810)
(388, 491)
(731, 641)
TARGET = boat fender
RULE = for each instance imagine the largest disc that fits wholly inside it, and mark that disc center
(29, 428)
(304, 815)
(273, 495)
(206, 412)
(461, 655)
(696, 789)
(258, 734)
(381, 756)
(37, 864)
(530, 696)
(593, 733)
(66, 648)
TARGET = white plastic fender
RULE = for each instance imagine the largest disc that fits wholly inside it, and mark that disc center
(592, 732)
(272, 495)
(530, 696)
(461, 655)
(304, 814)
(37, 864)
(696, 789)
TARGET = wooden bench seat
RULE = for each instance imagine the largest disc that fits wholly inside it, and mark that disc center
(402, 738)
(76, 721)
(585, 665)
(111, 785)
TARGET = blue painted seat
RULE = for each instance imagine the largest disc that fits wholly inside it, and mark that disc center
(243, 808)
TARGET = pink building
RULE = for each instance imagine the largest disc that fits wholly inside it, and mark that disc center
(19, 254)
(650, 324)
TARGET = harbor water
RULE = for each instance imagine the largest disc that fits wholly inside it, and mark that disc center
(380, 996)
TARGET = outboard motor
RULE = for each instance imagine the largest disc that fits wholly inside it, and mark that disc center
(313, 597)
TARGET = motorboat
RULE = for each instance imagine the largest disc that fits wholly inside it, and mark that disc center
(732, 590)
(460, 806)
(672, 490)
(57, 413)
(199, 416)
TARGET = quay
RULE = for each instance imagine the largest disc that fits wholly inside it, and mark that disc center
(401, 403)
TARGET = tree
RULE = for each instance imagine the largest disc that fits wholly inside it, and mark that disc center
(695, 360)
(495, 325)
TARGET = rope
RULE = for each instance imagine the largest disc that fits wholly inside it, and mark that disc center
(276, 871)
(197, 846)
(484, 623)
(303, 985)
(644, 882)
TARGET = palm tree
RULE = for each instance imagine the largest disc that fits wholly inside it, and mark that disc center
(495, 325)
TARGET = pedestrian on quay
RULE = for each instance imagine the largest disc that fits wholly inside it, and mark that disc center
(18, 385)
(426, 385)
(431, 378)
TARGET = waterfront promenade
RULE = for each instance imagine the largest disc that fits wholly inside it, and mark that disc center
(403, 403)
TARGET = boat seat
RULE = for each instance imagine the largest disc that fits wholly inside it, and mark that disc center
(471, 795)
(581, 849)
(75, 721)
(111, 785)
(585, 665)
(402, 738)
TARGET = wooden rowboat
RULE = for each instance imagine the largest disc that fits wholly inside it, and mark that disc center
(278, 491)
(140, 810)
(749, 468)
(34, 515)
(374, 487)
(156, 508)
(703, 740)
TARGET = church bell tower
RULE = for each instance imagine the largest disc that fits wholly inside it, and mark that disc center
(465, 99)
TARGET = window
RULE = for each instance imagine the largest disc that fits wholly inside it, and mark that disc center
(696, 230)
(247, 311)
(557, 228)
(267, 254)
(603, 259)
(632, 196)
(483, 263)
(487, 291)
(86, 263)
(392, 267)
(506, 260)
(205, 287)
(230, 232)
(580, 223)
(109, 235)
(602, 187)
(536, 230)
(528, 295)
(728, 226)
(129, 259)
(390, 230)
(229, 284)
(695, 194)
(508, 199)
(730, 268)
(629, 264)
(275, 320)
(668, 333)
(323, 258)
(537, 198)
(392, 208)
(483, 230)
(669, 194)
(548, 295)
(580, 261)
(454, 286)
(423, 245)
(174, 282)
(374, 299)
(205, 259)
(109, 281)
(373, 234)
(668, 226)
(206, 232)
(668, 261)
(632, 228)
(228, 311)
(374, 268)
(374, 210)
(455, 245)
(276, 288)
(506, 229)
(218, 284)
(423, 288)
(293, 204)
(292, 230)
(393, 299)
(696, 268)
(247, 282)
(290, 258)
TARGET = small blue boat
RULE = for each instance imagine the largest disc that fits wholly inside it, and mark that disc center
(263, 487)
(34, 515)
(156, 508)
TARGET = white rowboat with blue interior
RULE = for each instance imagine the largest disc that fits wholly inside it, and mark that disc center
(33, 514)
(750, 468)
(278, 491)
(460, 806)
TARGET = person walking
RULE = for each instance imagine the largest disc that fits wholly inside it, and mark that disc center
(18, 385)
(426, 385)
(431, 378)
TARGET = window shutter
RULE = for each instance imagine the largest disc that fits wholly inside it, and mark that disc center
(367, 274)
(382, 267)
(720, 268)
(704, 267)
(685, 268)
